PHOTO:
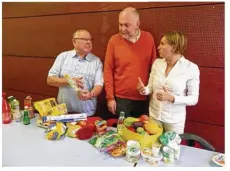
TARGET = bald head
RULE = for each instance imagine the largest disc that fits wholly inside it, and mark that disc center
(79, 32)
(129, 23)
(130, 12)
(82, 42)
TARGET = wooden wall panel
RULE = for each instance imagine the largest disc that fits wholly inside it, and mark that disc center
(27, 75)
(210, 108)
(52, 34)
(205, 39)
(14, 9)
(211, 133)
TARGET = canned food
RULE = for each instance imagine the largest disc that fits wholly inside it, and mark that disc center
(133, 151)
(168, 154)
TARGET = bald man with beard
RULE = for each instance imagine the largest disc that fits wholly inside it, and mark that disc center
(129, 55)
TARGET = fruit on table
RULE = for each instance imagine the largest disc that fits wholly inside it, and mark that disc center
(144, 118)
(137, 124)
(143, 133)
(152, 128)
(131, 128)
(129, 120)
(140, 129)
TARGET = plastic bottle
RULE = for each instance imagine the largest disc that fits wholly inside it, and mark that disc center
(6, 116)
(28, 104)
(15, 109)
(10, 100)
(120, 122)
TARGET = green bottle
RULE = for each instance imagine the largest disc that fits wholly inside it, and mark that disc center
(26, 119)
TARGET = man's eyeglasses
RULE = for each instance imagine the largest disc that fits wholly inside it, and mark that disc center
(84, 39)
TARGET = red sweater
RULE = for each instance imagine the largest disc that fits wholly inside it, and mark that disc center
(125, 62)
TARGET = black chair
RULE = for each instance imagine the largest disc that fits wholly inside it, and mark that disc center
(192, 138)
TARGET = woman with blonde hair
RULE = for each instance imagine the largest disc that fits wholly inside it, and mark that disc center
(173, 83)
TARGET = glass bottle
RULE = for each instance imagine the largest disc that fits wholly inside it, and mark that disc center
(26, 119)
(120, 122)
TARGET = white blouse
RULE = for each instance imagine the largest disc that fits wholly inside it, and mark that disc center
(182, 82)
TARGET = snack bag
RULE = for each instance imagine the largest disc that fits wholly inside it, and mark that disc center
(104, 141)
(55, 131)
(43, 105)
(44, 125)
(101, 126)
(72, 130)
(118, 149)
(59, 109)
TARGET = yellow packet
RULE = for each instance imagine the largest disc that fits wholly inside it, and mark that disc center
(55, 131)
(57, 110)
(43, 105)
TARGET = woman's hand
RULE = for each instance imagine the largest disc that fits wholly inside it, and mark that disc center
(141, 86)
(164, 96)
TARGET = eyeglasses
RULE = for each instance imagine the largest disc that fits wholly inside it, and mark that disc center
(84, 39)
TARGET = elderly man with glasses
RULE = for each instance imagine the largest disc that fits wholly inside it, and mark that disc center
(85, 69)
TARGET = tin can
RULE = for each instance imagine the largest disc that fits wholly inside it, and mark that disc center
(168, 154)
(133, 151)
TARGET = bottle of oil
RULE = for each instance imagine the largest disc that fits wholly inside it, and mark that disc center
(120, 122)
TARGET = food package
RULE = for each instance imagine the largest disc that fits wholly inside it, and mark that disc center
(65, 118)
(105, 141)
(59, 109)
(44, 125)
(55, 131)
(72, 83)
(72, 130)
(43, 105)
(173, 140)
(118, 149)
(101, 126)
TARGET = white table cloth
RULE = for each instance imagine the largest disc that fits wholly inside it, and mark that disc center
(25, 145)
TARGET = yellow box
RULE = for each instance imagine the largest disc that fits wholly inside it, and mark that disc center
(144, 140)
